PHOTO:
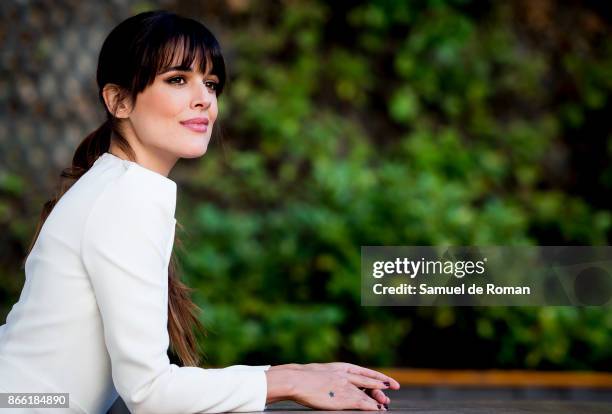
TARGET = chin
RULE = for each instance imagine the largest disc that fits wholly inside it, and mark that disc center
(195, 152)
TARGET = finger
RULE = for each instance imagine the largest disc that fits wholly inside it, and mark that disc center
(365, 382)
(379, 396)
(356, 369)
(369, 404)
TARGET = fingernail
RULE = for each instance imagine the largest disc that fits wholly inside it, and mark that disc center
(386, 406)
(378, 405)
(387, 383)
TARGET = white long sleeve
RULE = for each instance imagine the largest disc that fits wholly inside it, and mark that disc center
(92, 318)
(126, 246)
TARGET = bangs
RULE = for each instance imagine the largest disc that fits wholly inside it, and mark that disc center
(184, 46)
(183, 53)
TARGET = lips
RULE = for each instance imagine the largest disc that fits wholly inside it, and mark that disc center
(201, 121)
(196, 124)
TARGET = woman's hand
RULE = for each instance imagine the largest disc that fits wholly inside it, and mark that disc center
(344, 367)
(325, 389)
(377, 394)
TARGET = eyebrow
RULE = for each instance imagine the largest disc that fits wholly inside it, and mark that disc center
(180, 68)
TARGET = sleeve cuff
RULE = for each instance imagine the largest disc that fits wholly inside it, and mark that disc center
(260, 389)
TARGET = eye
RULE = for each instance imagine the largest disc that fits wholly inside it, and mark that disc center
(212, 85)
(171, 80)
(176, 80)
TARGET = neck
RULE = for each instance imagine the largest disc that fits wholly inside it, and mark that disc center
(147, 157)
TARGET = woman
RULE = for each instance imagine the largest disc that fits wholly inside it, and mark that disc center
(102, 302)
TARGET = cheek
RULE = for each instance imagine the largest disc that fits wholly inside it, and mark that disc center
(166, 104)
(156, 115)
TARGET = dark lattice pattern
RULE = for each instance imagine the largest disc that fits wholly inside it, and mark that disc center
(48, 93)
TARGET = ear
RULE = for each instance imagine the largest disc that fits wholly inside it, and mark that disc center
(115, 102)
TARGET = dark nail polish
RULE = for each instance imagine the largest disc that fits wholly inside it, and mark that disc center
(386, 406)
(378, 405)
(387, 383)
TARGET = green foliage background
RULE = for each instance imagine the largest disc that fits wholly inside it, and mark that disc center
(397, 123)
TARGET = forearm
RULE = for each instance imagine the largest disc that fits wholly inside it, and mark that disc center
(281, 383)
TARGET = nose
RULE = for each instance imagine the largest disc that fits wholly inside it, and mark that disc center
(201, 96)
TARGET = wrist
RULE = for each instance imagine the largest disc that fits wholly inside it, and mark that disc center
(280, 384)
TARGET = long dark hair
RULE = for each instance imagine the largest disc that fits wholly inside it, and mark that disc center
(132, 55)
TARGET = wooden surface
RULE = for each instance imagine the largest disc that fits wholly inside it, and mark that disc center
(470, 407)
(441, 400)
(497, 378)
(503, 392)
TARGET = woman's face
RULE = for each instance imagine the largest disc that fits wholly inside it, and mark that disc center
(173, 117)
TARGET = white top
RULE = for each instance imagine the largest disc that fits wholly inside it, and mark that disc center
(92, 316)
